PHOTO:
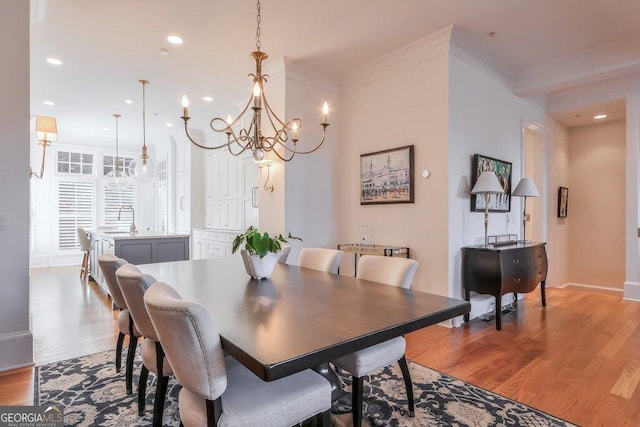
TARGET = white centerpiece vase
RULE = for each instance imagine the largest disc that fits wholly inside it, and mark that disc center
(259, 268)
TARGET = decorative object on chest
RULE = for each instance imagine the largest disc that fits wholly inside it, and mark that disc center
(525, 188)
(501, 270)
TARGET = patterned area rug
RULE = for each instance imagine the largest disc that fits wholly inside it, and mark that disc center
(92, 394)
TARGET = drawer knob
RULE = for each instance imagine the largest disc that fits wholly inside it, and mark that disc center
(516, 261)
(517, 280)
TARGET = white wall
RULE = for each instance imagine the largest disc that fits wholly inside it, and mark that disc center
(597, 204)
(398, 100)
(485, 118)
(16, 341)
(558, 228)
(310, 210)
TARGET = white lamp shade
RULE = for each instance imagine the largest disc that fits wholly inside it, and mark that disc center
(487, 183)
(46, 128)
(526, 188)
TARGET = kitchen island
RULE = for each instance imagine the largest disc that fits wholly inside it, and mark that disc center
(136, 248)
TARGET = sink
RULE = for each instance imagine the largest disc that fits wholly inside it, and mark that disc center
(114, 232)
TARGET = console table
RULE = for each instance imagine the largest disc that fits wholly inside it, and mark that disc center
(499, 270)
(381, 250)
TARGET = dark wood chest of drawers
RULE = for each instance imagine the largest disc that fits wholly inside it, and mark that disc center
(500, 270)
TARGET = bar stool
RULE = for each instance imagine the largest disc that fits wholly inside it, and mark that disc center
(85, 247)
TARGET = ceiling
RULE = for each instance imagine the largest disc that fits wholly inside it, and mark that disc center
(107, 46)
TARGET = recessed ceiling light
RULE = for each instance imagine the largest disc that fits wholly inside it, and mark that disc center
(54, 61)
(207, 98)
(105, 129)
(600, 116)
(48, 103)
(128, 101)
(174, 40)
(168, 125)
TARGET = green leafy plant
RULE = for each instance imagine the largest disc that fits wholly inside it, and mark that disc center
(260, 244)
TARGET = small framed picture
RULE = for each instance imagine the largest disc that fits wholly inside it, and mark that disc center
(387, 176)
(563, 202)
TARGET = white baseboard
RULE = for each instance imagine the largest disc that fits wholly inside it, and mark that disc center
(584, 285)
(631, 291)
(16, 351)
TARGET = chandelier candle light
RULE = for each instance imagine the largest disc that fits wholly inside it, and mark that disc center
(283, 143)
(486, 185)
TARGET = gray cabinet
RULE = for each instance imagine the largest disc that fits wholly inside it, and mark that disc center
(151, 250)
(138, 249)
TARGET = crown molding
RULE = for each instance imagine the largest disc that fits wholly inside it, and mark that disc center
(289, 70)
(477, 63)
(603, 62)
(418, 52)
(592, 93)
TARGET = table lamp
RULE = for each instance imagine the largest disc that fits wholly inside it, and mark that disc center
(525, 188)
(486, 185)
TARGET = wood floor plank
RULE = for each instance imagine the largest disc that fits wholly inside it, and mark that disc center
(629, 378)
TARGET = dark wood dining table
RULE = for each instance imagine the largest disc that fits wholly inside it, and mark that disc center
(299, 318)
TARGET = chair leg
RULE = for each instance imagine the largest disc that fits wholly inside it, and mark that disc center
(407, 383)
(158, 402)
(119, 351)
(142, 389)
(357, 385)
(323, 419)
(131, 354)
(83, 267)
(214, 410)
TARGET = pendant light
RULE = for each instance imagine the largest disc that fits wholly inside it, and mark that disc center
(116, 178)
(142, 168)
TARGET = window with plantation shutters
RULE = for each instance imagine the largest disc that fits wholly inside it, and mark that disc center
(114, 199)
(75, 209)
(163, 195)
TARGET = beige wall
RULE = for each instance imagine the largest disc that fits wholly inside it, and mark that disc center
(557, 228)
(597, 204)
(397, 101)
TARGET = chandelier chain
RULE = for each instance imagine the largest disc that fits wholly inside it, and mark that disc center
(144, 114)
(258, 27)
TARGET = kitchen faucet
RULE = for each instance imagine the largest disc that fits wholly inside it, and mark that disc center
(132, 227)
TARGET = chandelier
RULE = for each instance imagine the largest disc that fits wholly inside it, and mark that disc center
(284, 138)
(142, 168)
(117, 178)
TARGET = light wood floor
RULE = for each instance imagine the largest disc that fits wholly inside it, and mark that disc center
(578, 359)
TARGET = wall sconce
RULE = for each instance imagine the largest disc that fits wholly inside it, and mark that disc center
(525, 188)
(46, 133)
(486, 185)
(262, 164)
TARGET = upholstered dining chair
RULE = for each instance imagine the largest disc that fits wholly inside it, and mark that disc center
(218, 390)
(133, 284)
(109, 264)
(391, 271)
(85, 247)
(286, 249)
(321, 259)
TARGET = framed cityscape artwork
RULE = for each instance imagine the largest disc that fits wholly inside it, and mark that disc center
(387, 176)
(502, 169)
